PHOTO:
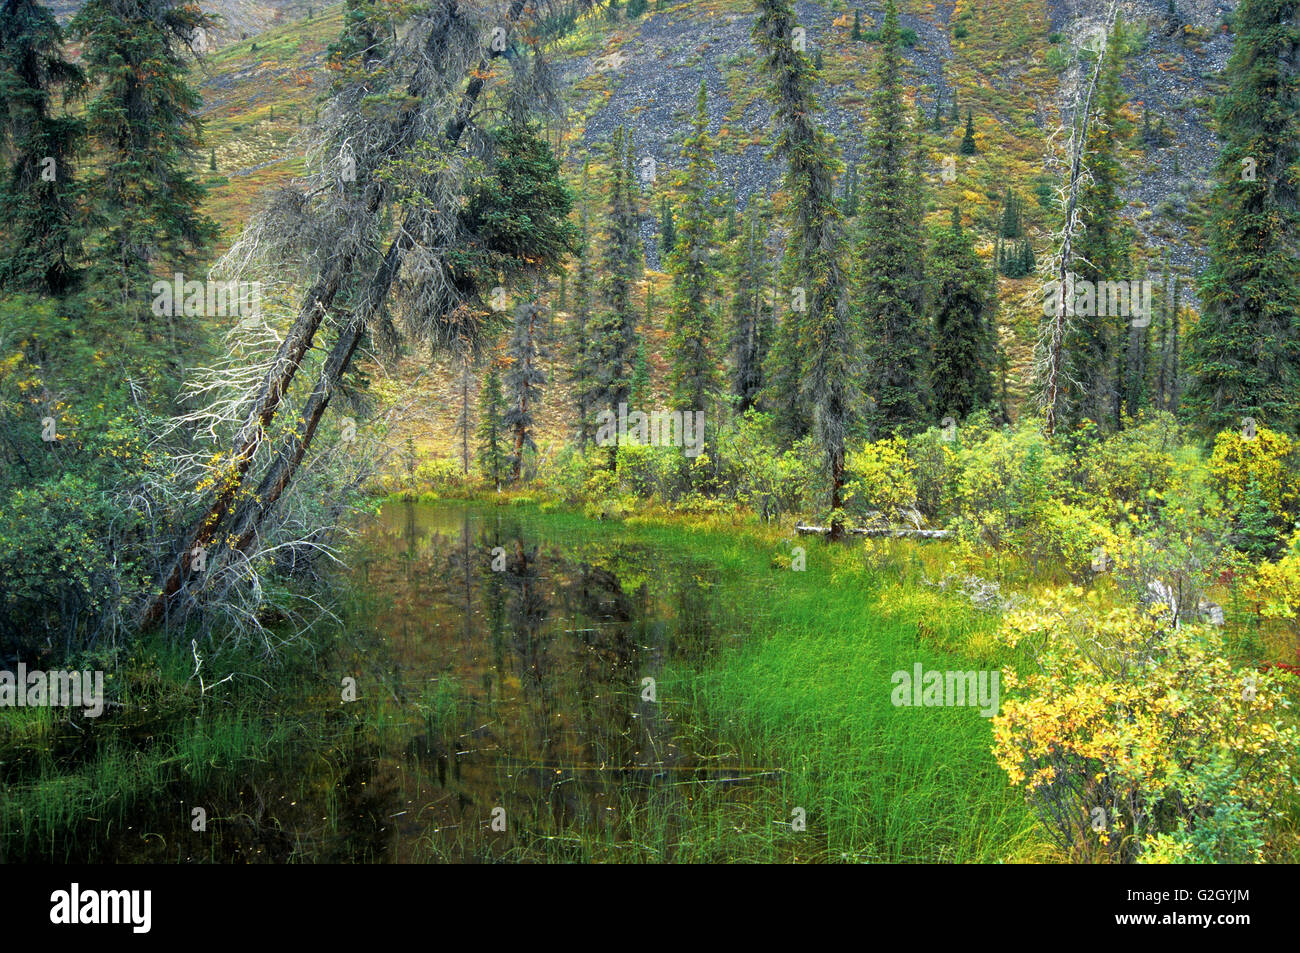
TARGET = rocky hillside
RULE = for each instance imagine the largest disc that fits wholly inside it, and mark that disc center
(240, 19)
(1007, 62)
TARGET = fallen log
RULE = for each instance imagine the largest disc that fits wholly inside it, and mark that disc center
(891, 531)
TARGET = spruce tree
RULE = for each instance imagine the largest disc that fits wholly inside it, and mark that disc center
(492, 448)
(968, 138)
(613, 338)
(1256, 527)
(731, 224)
(582, 375)
(692, 319)
(640, 395)
(39, 221)
(964, 337)
(1134, 371)
(782, 392)
(1244, 351)
(524, 381)
(822, 335)
(751, 311)
(361, 44)
(667, 229)
(850, 203)
(145, 125)
(890, 250)
(1013, 225)
(1167, 371)
(464, 425)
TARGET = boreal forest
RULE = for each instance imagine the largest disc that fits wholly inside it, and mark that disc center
(640, 431)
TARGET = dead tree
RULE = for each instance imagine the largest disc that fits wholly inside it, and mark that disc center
(396, 141)
(465, 391)
(1050, 359)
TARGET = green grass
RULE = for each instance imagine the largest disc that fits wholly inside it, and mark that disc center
(809, 692)
(68, 787)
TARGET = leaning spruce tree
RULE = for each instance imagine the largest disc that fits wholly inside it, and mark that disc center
(1244, 352)
(409, 116)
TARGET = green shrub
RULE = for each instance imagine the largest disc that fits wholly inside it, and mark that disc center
(935, 474)
(1129, 471)
(770, 482)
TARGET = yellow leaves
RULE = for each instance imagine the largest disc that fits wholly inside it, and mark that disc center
(1275, 586)
(1264, 460)
(1121, 702)
(882, 475)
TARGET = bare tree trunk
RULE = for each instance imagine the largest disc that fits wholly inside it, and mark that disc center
(837, 483)
(1052, 341)
(287, 360)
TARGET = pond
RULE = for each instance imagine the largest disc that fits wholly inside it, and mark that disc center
(502, 684)
(538, 648)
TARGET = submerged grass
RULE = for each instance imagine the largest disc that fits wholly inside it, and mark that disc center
(73, 784)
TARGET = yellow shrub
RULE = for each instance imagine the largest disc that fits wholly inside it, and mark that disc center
(1275, 588)
(1132, 728)
(1266, 459)
(882, 477)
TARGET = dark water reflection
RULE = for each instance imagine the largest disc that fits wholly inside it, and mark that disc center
(512, 670)
(539, 647)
